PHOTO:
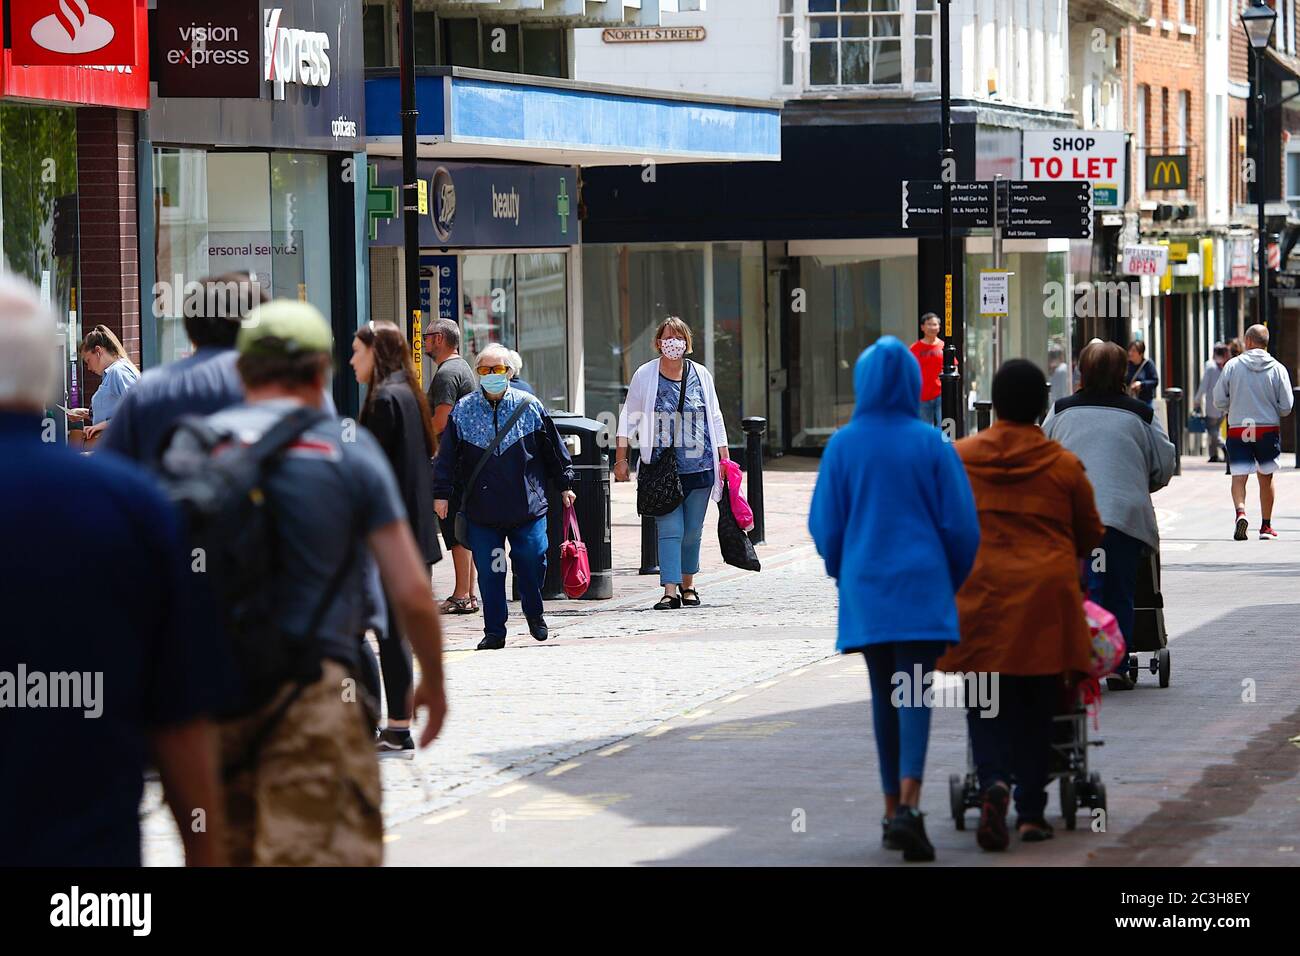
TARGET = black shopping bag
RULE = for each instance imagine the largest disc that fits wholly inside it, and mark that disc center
(737, 549)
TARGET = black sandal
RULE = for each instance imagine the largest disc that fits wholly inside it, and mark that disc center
(668, 603)
(689, 602)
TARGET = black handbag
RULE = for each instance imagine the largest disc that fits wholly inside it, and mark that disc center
(460, 526)
(737, 549)
(658, 485)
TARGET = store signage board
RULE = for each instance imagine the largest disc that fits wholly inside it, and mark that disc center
(1097, 156)
(72, 32)
(483, 205)
(1143, 260)
(1240, 261)
(995, 293)
(206, 49)
(972, 204)
(1165, 173)
(80, 80)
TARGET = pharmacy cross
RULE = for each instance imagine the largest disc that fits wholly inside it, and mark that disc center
(562, 205)
(381, 201)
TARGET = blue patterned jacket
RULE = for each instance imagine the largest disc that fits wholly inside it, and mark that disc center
(511, 488)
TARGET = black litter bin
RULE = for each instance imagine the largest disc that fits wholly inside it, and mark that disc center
(591, 484)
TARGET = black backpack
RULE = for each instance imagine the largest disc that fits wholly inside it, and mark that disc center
(231, 535)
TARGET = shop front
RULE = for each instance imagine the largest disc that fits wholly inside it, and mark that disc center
(496, 257)
(257, 161)
(58, 112)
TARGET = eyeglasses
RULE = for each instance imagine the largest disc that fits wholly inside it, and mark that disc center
(492, 369)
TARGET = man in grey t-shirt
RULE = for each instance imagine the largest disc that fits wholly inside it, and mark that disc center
(331, 492)
(452, 381)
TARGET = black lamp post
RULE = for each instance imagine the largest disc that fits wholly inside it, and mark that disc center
(1258, 20)
(950, 381)
(410, 180)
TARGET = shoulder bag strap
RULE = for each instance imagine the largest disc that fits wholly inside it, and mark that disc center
(525, 401)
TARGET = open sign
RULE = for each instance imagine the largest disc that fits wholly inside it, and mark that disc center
(1145, 260)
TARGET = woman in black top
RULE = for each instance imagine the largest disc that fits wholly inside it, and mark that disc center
(397, 413)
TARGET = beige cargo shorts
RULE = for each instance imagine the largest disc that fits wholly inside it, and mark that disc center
(312, 796)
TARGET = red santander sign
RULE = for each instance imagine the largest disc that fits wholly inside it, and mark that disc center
(72, 32)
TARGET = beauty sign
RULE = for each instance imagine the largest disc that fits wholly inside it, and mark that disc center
(1098, 156)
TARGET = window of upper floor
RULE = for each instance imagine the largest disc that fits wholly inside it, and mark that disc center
(487, 44)
(829, 45)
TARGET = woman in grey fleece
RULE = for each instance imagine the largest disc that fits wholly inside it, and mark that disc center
(1127, 455)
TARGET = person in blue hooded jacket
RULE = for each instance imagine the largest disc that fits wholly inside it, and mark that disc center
(894, 518)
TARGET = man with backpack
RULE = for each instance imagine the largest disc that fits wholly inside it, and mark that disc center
(282, 502)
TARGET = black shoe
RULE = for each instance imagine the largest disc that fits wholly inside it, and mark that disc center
(886, 840)
(1240, 533)
(907, 830)
(395, 743)
(693, 600)
(1039, 831)
(992, 831)
(667, 603)
(537, 627)
(490, 643)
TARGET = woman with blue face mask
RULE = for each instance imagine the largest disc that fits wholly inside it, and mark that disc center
(672, 409)
(499, 449)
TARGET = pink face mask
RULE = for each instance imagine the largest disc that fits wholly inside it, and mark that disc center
(672, 348)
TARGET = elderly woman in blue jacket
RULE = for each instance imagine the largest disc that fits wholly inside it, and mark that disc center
(507, 500)
(894, 518)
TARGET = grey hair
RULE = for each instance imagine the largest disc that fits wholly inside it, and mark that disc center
(518, 360)
(29, 339)
(449, 331)
(507, 357)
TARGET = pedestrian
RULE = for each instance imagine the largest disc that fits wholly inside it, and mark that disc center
(1234, 348)
(302, 779)
(518, 380)
(103, 354)
(88, 703)
(929, 353)
(1141, 376)
(452, 380)
(1058, 373)
(495, 458)
(893, 517)
(1204, 399)
(672, 408)
(1023, 631)
(200, 384)
(1254, 392)
(397, 414)
(1128, 455)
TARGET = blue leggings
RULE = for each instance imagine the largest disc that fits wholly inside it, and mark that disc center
(902, 733)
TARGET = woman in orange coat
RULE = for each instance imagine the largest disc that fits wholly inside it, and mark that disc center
(1021, 610)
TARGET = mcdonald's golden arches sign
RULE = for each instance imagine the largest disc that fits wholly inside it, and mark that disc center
(1167, 172)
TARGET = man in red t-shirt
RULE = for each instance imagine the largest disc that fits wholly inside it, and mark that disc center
(929, 353)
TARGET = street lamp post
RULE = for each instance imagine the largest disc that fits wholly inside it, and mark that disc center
(950, 380)
(1258, 20)
(410, 180)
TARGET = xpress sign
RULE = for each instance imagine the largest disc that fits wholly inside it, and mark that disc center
(290, 55)
(1098, 156)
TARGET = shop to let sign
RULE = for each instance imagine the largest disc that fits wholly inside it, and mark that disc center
(1145, 260)
(1097, 156)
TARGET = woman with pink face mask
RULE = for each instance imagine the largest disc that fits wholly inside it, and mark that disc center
(672, 409)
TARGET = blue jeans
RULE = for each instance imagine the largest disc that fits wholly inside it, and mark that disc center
(679, 534)
(932, 412)
(528, 558)
(1115, 587)
(902, 733)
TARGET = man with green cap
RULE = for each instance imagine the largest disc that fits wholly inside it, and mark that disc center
(309, 793)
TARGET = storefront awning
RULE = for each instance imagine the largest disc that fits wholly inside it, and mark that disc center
(476, 114)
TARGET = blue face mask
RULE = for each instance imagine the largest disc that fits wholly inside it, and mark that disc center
(494, 384)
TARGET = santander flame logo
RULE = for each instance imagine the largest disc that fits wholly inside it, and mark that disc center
(72, 29)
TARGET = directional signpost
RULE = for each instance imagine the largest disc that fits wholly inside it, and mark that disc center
(1026, 210)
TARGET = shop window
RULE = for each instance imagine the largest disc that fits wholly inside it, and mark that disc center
(374, 32)
(460, 42)
(886, 43)
(1293, 178)
(426, 40)
(545, 53)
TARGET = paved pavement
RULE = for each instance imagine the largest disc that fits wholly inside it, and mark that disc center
(731, 734)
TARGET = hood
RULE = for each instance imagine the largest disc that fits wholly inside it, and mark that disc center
(1257, 360)
(887, 378)
(1008, 452)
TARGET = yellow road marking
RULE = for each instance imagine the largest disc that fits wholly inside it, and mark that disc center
(444, 817)
(802, 670)
(735, 697)
(562, 768)
(617, 748)
(560, 807)
(392, 837)
(662, 729)
(703, 712)
(766, 684)
(743, 730)
(508, 789)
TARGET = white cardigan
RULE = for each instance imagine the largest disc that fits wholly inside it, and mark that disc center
(636, 417)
